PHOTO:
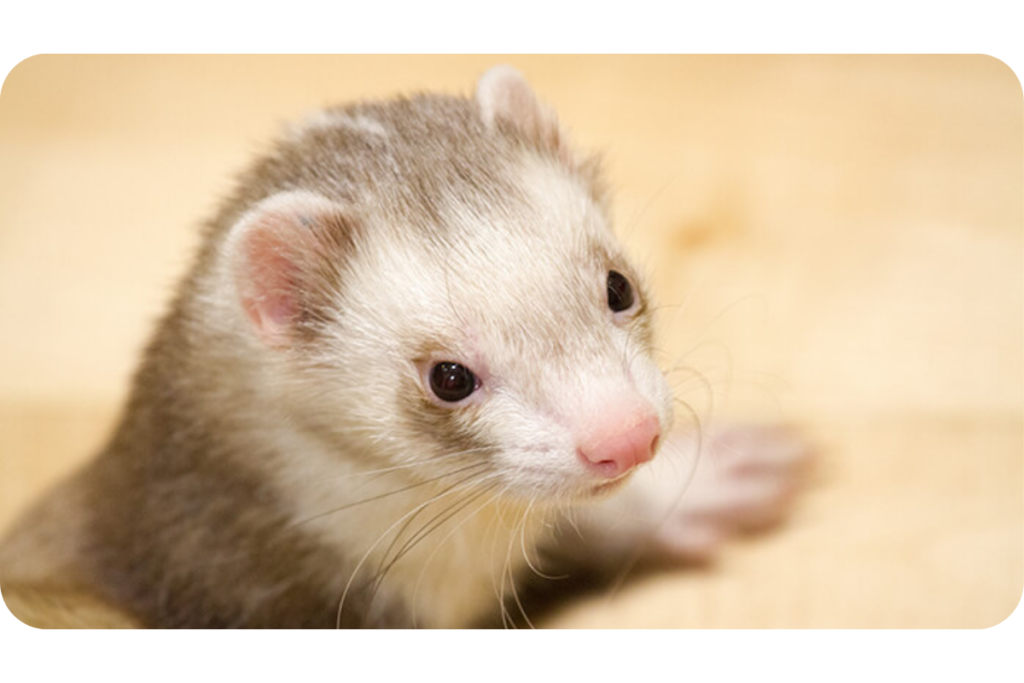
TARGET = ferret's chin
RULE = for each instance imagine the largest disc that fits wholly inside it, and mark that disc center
(589, 490)
(602, 489)
(556, 490)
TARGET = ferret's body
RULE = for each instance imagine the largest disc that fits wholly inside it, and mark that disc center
(287, 457)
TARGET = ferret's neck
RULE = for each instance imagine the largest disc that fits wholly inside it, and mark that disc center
(449, 550)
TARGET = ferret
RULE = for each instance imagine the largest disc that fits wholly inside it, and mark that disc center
(410, 370)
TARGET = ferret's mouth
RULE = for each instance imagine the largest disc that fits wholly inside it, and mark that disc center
(605, 487)
(540, 482)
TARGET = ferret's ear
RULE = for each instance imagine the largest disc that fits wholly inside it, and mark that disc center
(283, 254)
(506, 100)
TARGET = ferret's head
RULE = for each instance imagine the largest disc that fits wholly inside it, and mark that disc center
(433, 284)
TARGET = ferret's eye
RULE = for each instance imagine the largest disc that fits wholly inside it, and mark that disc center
(620, 292)
(452, 382)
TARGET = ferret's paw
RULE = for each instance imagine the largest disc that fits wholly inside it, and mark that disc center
(744, 479)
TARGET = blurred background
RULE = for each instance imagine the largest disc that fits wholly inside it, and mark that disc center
(846, 233)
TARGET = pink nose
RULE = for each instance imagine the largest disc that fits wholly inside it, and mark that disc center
(615, 451)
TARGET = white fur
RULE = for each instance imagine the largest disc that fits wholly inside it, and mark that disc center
(327, 119)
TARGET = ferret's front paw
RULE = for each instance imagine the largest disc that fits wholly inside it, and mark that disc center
(744, 479)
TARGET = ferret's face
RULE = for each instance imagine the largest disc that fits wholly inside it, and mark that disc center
(511, 348)
(465, 314)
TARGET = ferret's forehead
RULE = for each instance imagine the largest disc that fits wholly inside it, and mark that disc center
(531, 265)
(549, 216)
(544, 234)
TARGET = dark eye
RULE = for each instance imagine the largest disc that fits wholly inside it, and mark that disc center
(620, 292)
(452, 382)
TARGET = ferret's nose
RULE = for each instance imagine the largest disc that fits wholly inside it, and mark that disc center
(611, 451)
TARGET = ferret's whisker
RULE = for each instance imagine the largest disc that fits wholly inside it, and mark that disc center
(373, 474)
(423, 533)
(447, 536)
(705, 383)
(435, 522)
(700, 345)
(511, 574)
(366, 555)
(387, 494)
(522, 544)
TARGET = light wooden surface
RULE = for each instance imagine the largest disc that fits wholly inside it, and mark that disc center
(847, 235)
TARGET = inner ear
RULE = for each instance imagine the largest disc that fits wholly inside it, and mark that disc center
(283, 255)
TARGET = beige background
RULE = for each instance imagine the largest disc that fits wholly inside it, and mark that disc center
(847, 234)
